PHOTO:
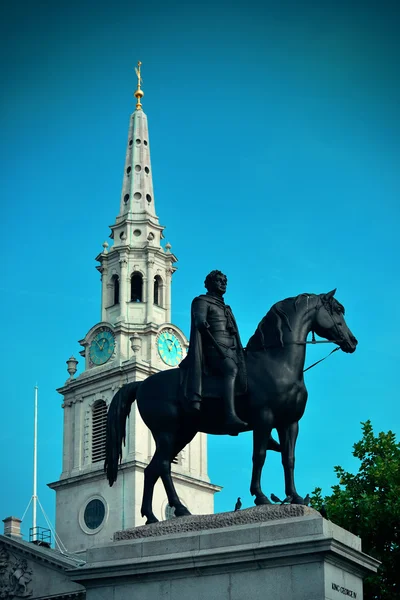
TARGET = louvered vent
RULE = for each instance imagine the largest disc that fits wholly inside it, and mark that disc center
(99, 422)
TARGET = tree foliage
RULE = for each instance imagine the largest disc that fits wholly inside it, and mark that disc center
(368, 505)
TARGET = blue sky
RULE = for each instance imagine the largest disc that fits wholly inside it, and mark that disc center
(275, 146)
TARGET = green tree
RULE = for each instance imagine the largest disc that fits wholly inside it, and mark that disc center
(368, 505)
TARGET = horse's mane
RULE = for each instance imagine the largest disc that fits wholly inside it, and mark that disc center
(270, 329)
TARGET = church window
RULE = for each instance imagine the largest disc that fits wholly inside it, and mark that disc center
(126, 198)
(136, 287)
(147, 170)
(130, 143)
(137, 195)
(99, 426)
(129, 169)
(138, 168)
(148, 198)
(158, 289)
(145, 142)
(115, 281)
(94, 514)
(138, 141)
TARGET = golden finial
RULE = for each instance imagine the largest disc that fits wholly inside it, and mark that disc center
(139, 93)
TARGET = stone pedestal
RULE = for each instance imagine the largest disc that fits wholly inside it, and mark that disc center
(277, 552)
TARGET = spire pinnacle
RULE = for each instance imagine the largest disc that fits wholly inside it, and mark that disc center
(139, 93)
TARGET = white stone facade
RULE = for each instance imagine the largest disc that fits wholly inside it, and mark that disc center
(135, 308)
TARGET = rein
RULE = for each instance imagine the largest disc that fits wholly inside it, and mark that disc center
(321, 359)
(314, 341)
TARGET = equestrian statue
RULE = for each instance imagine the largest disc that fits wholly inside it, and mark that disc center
(221, 388)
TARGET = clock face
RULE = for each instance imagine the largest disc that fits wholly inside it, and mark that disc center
(169, 348)
(102, 347)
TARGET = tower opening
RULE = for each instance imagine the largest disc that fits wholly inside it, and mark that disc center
(99, 426)
(115, 281)
(158, 291)
(136, 287)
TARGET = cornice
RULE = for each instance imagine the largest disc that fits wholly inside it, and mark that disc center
(136, 221)
(97, 374)
(39, 553)
(212, 560)
(99, 475)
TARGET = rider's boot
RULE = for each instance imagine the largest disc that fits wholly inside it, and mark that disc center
(232, 422)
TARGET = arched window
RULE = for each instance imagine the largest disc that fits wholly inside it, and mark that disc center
(115, 281)
(158, 288)
(137, 287)
(99, 425)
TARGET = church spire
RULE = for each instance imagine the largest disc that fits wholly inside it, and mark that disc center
(136, 270)
(137, 197)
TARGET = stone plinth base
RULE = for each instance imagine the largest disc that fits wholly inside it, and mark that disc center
(284, 553)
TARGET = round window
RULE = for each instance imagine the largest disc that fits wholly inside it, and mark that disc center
(94, 514)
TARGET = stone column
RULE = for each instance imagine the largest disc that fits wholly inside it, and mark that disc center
(66, 462)
(78, 433)
(203, 456)
(168, 276)
(104, 293)
(149, 291)
(123, 291)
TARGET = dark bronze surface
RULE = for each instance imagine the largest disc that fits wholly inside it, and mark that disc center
(270, 388)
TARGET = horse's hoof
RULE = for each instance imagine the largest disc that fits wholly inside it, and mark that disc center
(182, 511)
(260, 500)
(151, 520)
(296, 499)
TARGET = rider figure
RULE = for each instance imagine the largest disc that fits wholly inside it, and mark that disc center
(215, 349)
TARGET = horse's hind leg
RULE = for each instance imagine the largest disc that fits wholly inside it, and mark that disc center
(287, 438)
(180, 440)
(168, 445)
(261, 435)
(151, 474)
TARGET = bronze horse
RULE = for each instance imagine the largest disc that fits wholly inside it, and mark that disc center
(276, 398)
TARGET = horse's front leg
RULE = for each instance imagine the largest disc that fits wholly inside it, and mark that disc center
(261, 435)
(287, 437)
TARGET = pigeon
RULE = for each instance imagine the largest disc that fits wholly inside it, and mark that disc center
(323, 512)
(238, 504)
(287, 500)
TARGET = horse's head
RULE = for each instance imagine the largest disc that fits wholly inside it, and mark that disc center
(330, 323)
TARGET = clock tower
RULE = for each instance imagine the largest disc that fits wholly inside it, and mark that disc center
(134, 339)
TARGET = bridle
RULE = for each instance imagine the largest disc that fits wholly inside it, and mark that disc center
(314, 341)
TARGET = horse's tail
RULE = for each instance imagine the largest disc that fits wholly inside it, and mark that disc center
(118, 412)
